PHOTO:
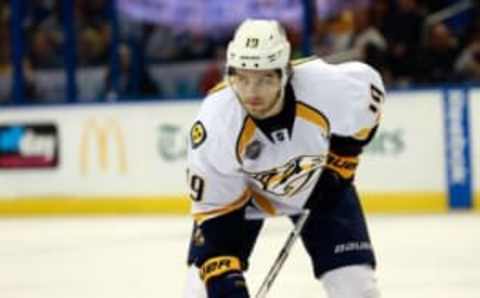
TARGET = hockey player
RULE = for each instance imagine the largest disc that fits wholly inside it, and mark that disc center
(275, 138)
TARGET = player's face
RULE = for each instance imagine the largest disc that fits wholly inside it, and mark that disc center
(257, 90)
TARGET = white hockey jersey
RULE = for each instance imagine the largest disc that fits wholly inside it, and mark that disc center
(275, 163)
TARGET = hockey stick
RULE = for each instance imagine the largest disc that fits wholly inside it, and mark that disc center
(282, 256)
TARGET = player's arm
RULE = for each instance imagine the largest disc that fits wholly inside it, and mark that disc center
(347, 145)
(219, 195)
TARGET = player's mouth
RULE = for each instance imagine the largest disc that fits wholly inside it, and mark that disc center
(254, 102)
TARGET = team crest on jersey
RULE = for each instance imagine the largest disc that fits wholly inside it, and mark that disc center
(290, 178)
(253, 149)
(198, 134)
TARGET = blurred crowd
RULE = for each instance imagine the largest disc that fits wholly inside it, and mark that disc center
(398, 37)
(403, 40)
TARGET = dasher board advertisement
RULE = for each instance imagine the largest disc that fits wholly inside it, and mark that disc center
(475, 137)
(132, 157)
(456, 106)
(28, 145)
(109, 151)
(403, 168)
(407, 151)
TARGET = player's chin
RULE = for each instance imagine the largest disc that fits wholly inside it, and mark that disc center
(253, 106)
(256, 113)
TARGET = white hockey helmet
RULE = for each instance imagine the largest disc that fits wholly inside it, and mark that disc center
(259, 45)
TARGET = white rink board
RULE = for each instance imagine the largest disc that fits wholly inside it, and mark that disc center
(475, 137)
(406, 156)
(146, 173)
(407, 153)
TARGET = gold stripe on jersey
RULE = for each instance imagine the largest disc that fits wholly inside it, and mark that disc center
(264, 204)
(314, 116)
(235, 205)
(363, 134)
(245, 136)
(220, 86)
(300, 61)
(345, 166)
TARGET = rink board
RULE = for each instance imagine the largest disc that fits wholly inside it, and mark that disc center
(130, 158)
(45, 206)
(475, 137)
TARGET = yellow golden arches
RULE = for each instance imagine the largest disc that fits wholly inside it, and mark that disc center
(100, 133)
(314, 116)
(245, 136)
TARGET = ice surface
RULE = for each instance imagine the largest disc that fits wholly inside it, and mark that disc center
(118, 257)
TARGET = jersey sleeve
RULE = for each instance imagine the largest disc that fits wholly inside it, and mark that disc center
(367, 102)
(216, 186)
(365, 111)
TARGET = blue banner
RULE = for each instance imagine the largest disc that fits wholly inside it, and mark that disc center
(457, 138)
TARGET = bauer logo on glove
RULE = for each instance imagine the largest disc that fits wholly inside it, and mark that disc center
(218, 266)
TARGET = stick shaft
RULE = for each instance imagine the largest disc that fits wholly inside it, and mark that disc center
(282, 256)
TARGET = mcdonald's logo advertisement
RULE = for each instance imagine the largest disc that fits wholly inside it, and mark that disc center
(29, 146)
(172, 142)
(102, 147)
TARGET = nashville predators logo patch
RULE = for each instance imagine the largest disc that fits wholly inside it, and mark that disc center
(198, 134)
(290, 178)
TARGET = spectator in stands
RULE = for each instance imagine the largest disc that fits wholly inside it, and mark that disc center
(467, 64)
(43, 50)
(331, 35)
(403, 27)
(45, 40)
(93, 32)
(92, 13)
(37, 11)
(92, 48)
(434, 63)
(194, 46)
(129, 85)
(365, 42)
(435, 5)
(160, 43)
(213, 74)
(294, 35)
(6, 66)
(379, 12)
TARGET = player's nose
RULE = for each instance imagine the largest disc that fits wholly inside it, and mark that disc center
(252, 90)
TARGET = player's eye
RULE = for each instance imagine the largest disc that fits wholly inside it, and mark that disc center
(267, 80)
(241, 80)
